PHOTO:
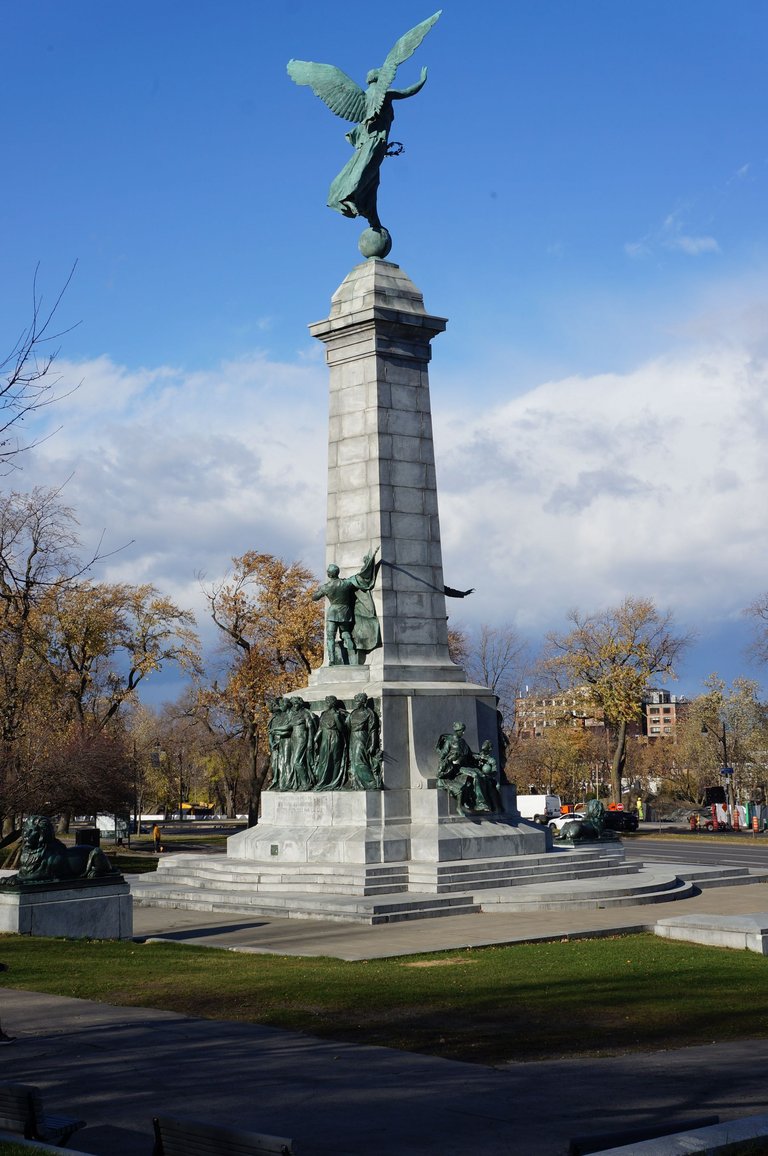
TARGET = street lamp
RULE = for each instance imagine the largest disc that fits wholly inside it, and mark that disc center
(181, 785)
(721, 734)
(157, 757)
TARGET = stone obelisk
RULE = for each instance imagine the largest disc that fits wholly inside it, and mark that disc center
(381, 465)
(382, 495)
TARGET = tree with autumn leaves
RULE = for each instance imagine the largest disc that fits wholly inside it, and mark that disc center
(273, 638)
(72, 653)
(615, 654)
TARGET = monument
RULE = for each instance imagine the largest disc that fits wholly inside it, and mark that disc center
(386, 791)
(385, 800)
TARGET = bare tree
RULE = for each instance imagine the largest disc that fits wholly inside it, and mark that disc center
(758, 610)
(27, 378)
(72, 652)
(498, 659)
(458, 646)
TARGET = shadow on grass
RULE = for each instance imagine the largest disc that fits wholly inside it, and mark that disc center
(492, 1006)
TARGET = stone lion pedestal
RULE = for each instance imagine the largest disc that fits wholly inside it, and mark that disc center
(87, 910)
(63, 891)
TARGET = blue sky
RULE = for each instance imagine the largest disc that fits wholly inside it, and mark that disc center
(582, 194)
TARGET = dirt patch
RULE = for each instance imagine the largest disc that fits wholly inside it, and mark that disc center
(439, 962)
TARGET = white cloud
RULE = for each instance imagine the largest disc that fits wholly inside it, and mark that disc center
(692, 245)
(191, 468)
(672, 235)
(637, 249)
(587, 489)
(575, 493)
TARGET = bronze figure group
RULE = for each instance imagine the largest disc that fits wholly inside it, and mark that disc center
(472, 779)
(351, 625)
(336, 750)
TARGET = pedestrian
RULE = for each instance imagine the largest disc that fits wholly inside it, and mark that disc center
(640, 814)
(156, 837)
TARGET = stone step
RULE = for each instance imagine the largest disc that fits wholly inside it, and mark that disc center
(222, 866)
(730, 876)
(448, 878)
(356, 909)
(446, 882)
(656, 885)
(242, 881)
(225, 867)
(599, 897)
(342, 885)
(244, 875)
(581, 883)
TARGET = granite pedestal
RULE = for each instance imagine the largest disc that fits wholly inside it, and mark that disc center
(93, 911)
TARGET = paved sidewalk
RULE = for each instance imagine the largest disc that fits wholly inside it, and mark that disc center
(353, 941)
(117, 1067)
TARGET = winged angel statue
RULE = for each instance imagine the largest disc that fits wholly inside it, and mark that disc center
(353, 192)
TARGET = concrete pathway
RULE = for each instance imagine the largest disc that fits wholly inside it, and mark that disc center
(359, 941)
(117, 1067)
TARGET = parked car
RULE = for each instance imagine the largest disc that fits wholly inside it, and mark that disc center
(559, 822)
(621, 821)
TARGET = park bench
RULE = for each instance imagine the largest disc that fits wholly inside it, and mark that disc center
(21, 1112)
(192, 1138)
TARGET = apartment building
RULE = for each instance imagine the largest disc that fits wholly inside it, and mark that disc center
(535, 712)
(661, 712)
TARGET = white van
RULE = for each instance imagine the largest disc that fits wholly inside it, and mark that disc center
(540, 808)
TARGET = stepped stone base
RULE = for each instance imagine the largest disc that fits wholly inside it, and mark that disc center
(561, 880)
(351, 834)
(382, 893)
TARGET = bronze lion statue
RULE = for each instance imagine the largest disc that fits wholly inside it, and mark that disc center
(45, 859)
(588, 829)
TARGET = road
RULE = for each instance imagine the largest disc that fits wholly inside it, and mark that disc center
(720, 850)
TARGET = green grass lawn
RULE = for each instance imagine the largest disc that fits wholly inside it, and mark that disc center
(141, 857)
(7, 1148)
(488, 1005)
(129, 862)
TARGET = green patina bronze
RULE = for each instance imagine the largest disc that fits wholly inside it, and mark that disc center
(279, 736)
(45, 859)
(365, 754)
(472, 779)
(354, 191)
(331, 746)
(301, 724)
(338, 750)
(590, 829)
(351, 625)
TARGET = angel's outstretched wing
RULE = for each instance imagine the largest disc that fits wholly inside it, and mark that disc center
(405, 47)
(342, 95)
